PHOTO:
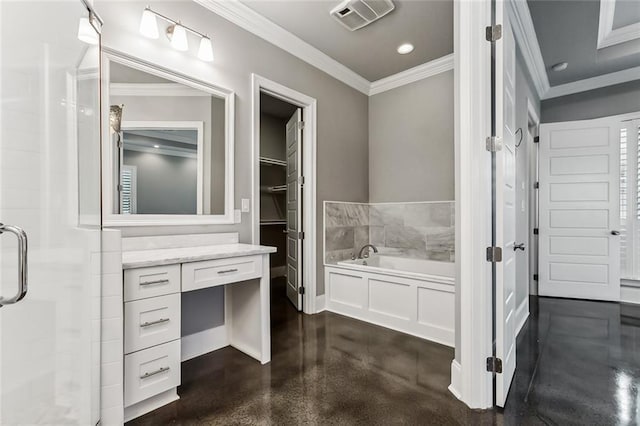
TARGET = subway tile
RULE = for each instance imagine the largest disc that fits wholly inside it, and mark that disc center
(112, 307)
(111, 262)
(111, 373)
(112, 284)
(113, 416)
(111, 329)
(111, 396)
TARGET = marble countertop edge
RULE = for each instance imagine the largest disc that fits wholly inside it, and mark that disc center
(169, 256)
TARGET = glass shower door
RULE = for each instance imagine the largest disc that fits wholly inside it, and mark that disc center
(50, 195)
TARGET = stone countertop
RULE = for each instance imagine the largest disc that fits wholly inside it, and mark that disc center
(168, 256)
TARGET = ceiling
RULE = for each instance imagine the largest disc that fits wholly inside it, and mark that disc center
(369, 51)
(276, 107)
(567, 31)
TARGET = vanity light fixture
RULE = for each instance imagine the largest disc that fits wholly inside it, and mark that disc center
(405, 48)
(86, 33)
(176, 32)
(560, 66)
(156, 146)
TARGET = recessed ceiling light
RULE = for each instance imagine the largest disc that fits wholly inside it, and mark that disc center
(560, 66)
(156, 146)
(405, 48)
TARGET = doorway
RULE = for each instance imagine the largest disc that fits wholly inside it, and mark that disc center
(284, 124)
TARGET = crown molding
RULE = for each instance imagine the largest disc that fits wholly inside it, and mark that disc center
(411, 75)
(607, 36)
(624, 76)
(525, 35)
(248, 19)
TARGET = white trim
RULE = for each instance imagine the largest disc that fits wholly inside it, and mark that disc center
(630, 74)
(250, 20)
(411, 75)
(525, 34)
(154, 89)
(522, 313)
(456, 373)
(629, 294)
(308, 104)
(116, 220)
(472, 72)
(607, 36)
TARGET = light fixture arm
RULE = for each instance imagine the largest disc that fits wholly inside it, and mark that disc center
(171, 21)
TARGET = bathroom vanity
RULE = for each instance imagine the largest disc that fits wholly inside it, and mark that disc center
(154, 281)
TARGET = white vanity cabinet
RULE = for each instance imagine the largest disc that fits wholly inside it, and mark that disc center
(154, 281)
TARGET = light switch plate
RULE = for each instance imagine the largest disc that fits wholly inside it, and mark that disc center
(246, 205)
(237, 216)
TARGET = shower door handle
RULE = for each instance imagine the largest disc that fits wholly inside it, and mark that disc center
(22, 263)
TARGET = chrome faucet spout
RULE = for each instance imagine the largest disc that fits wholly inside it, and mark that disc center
(365, 247)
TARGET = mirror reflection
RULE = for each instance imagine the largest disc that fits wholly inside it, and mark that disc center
(169, 145)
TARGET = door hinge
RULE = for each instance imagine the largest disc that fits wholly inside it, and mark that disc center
(301, 180)
(301, 290)
(536, 231)
(301, 235)
(536, 139)
(119, 188)
(493, 32)
(300, 125)
(494, 144)
(536, 185)
(494, 254)
(494, 365)
(535, 277)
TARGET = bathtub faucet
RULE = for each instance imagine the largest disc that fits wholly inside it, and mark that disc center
(366, 255)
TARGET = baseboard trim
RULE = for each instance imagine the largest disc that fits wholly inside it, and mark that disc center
(278, 271)
(203, 342)
(522, 313)
(321, 304)
(456, 378)
(629, 294)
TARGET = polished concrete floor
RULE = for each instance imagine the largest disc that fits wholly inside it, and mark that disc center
(577, 364)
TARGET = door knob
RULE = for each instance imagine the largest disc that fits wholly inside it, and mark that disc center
(615, 232)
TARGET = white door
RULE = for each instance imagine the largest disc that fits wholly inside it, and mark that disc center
(294, 210)
(580, 210)
(49, 189)
(505, 213)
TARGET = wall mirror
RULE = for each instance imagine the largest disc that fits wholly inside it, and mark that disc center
(167, 146)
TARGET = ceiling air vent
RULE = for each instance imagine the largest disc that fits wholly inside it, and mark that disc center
(355, 14)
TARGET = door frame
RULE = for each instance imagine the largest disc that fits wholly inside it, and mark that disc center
(470, 381)
(308, 104)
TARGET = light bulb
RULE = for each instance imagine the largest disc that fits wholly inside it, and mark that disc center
(205, 52)
(86, 32)
(148, 24)
(405, 48)
(179, 38)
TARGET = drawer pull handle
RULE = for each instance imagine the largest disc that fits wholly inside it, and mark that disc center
(155, 282)
(149, 324)
(228, 271)
(153, 373)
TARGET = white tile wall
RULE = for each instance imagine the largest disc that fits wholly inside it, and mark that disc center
(112, 369)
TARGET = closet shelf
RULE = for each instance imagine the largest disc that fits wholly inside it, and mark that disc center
(273, 189)
(265, 222)
(272, 162)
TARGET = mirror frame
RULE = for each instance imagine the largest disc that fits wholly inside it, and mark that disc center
(111, 219)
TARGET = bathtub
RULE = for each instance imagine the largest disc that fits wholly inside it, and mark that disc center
(412, 296)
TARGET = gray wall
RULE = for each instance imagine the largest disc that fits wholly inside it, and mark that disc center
(525, 93)
(411, 141)
(165, 184)
(343, 165)
(613, 100)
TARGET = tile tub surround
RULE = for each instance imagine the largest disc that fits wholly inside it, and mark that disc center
(422, 230)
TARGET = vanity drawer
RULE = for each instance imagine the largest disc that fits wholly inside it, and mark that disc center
(154, 281)
(149, 322)
(151, 371)
(211, 273)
